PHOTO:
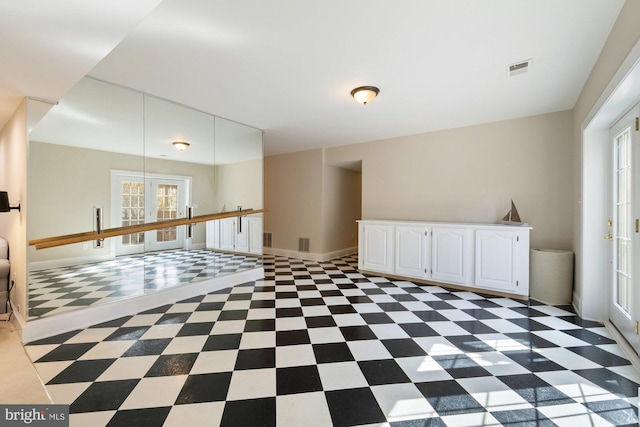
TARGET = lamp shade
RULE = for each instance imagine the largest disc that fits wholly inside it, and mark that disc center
(181, 145)
(4, 201)
(364, 94)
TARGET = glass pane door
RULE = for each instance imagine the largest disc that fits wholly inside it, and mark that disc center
(624, 307)
(166, 201)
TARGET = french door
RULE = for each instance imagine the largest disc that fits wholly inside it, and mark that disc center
(625, 228)
(137, 199)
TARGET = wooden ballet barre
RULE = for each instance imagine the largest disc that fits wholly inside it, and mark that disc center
(68, 239)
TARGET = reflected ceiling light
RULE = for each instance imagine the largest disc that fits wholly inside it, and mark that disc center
(180, 145)
(364, 94)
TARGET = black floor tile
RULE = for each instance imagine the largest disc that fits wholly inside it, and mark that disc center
(256, 358)
(172, 364)
(299, 336)
(82, 371)
(205, 388)
(354, 333)
(449, 398)
(535, 390)
(103, 396)
(354, 407)
(297, 379)
(140, 417)
(378, 372)
(332, 352)
(66, 352)
(222, 342)
(254, 412)
(403, 347)
(147, 347)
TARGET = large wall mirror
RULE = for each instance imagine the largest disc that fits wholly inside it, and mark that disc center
(105, 157)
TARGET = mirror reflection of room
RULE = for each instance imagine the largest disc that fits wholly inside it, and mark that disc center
(130, 158)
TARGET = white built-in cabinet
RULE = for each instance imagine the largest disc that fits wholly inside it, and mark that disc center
(239, 234)
(483, 256)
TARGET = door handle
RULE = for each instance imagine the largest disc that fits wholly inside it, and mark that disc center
(608, 237)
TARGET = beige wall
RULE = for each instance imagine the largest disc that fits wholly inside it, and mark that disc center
(240, 184)
(85, 177)
(470, 174)
(13, 179)
(293, 199)
(341, 207)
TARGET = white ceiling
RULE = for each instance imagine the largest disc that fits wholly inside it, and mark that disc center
(288, 66)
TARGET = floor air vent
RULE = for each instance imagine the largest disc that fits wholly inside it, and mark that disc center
(266, 240)
(303, 244)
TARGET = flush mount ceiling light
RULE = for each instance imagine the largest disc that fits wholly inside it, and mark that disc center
(364, 94)
(180, 145)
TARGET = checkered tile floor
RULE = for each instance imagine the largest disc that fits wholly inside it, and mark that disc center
(56, 290)
(318, 344)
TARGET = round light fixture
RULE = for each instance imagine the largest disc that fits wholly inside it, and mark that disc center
(364, 94)
(180, 145)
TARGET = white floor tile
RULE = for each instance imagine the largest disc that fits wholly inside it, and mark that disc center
(258, 340)
(368, 350)
(401, 402)
(493, 394)
(422, 369)
(128, 367)
(252, 384)
(195, 414)
(306, 409)
(214, 361)
(573, 415)
(295, 355)
(107, 350)
(325, 335)
(342, 375)
(189, 344)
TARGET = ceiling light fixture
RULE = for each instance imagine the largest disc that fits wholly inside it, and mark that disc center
(364, 94)
(180, 145)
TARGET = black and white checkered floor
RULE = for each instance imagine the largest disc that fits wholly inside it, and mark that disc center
(318, 344)
(56, 290)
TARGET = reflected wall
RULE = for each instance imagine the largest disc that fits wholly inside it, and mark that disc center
(110, 149)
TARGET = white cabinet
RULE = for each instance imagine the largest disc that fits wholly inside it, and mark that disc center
(499, 260)
(413, 251)
(376, 247)
(228, 235)
(483, 256)
(212, 234)
(452, 255)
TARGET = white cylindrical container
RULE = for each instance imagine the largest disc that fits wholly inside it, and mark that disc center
(551, 272)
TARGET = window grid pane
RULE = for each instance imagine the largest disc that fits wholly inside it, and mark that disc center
(132, 211)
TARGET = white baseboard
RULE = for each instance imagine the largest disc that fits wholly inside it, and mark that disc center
(310, 256)
(64, 322)
(64, 262)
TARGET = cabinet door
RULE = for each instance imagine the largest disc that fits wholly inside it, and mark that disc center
(255, 235)
(242, 234)
(451, 259)
(411, 254)
(212, 239)
(377, 248)
(227, 234)
(496, 259)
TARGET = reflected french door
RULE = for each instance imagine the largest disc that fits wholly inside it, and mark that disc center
(625, 295)
(137, 200)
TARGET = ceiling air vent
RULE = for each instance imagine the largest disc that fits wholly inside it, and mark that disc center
(518, 68)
